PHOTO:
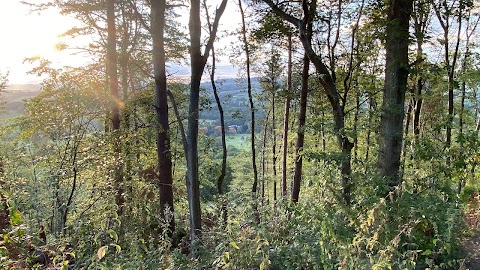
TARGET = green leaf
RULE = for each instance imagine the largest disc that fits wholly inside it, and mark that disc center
(16, 217)
(427, 252)
(64, 266)
(227, 255)
(118, 248)
(101, 252)
(262, 265)
(233, 244)
(113, 235)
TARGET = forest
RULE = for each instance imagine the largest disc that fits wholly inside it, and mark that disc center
(347, 139)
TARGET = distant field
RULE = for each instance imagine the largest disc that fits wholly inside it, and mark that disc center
(239, 141)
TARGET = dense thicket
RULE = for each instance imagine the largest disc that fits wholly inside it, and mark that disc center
(368, 108)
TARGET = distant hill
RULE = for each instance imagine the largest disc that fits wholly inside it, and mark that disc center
(14, 97)
(233, 92)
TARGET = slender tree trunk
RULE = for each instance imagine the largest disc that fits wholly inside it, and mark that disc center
(181, 128)
(252, 114)
(347, 82)
(418, 109)
(327, 80)
(125, 120)
(197, 61)
(461, 181)
(114, 91)
(417, 95)
(396, 74)
(369, 131)
(322, 128)
(445, 24)
(407, 126)
(4, 213)
(197, 66)
(4, 209)
(164, 158)
(223, 171)
(421, 16)
(72, 191)
(274, 146)
(264, 146)
(297, 176)
(470, 29)
(355, 124)
(286, 116)
(462, 108)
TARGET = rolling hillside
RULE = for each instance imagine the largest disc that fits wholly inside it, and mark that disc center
(14, 97)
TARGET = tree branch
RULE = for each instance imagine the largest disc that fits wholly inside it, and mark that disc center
(213, 34)
(281, 13)
(180, 123)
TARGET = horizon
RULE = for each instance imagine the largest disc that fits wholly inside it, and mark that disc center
(38, 34)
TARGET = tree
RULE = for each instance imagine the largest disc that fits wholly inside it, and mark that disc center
(270, 83)
(272, 30)
(297, 176)
(4, 215)
(286, 117)
(396, 75)
(445, 18)
(329, 85)
(197, 62)
(161, 106)
(421, 16)
(246, 49)
(470, 29)
(223, 171)
(115, 115)
(62, 124)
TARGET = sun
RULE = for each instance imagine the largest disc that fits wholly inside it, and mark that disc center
(27, 34)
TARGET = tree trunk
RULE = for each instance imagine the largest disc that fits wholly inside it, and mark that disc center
(461, 181)
(114, 91)
(223, 171)
(4, 209)
(286, 116)
(164, 159)
(328, 83)
(421, 16)
(407, 126)
(355, 124)
(396, 74)
(451, 64)
(252, 114)
(371, 109)
(262, 162)
(197, 66)
(198, 62)
(418, 109)
(297, 176)
(125, 120)
(274, 146)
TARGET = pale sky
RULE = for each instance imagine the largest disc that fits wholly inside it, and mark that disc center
(26, 34)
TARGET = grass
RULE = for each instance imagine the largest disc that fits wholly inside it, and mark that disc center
(239, 141)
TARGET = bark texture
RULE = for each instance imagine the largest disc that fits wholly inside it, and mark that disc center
(164, 160)
(396, 74)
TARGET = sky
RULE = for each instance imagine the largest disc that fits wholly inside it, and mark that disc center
(28, 34)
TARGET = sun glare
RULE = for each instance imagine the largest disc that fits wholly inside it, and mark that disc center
(27, 34)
